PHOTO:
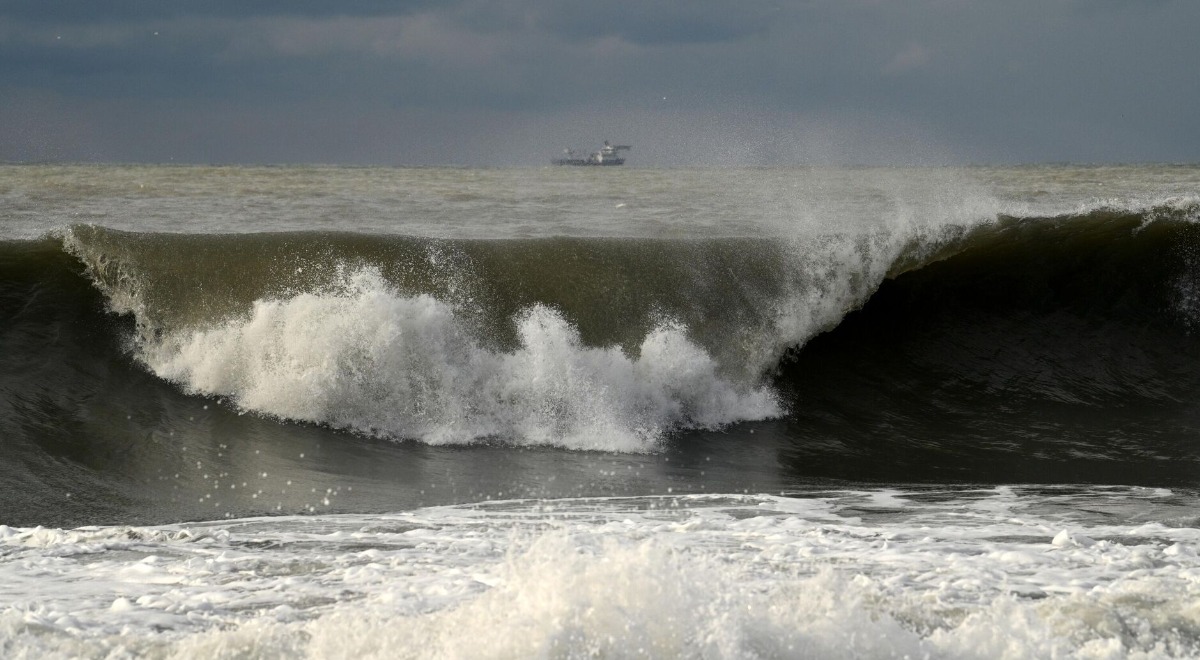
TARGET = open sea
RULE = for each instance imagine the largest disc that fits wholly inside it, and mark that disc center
(337, 412)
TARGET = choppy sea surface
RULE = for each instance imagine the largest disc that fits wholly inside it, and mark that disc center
(599, 412)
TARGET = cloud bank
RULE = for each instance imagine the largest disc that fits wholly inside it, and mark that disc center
(511, 82)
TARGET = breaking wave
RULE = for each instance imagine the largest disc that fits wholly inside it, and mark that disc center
(613, 344)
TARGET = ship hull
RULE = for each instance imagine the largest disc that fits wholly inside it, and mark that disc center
(586, 162)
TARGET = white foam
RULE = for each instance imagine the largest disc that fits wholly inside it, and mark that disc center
(942, 576)
(369, 359)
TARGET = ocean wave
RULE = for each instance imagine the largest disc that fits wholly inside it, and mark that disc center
(614, 344)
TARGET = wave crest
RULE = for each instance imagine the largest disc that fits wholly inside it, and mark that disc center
(562, 341)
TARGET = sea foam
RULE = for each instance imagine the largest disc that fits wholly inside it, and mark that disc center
(933, 574)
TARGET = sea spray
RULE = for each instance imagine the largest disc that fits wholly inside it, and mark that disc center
(404, 367)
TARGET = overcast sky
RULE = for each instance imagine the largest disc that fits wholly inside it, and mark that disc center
(512, 82)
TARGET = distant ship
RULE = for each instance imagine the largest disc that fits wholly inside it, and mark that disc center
(606, 156)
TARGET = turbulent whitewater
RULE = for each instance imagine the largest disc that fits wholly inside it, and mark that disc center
(1005, 572)
(889, 400)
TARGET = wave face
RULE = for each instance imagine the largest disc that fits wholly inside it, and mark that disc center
(1022, 340)
(1040, 348)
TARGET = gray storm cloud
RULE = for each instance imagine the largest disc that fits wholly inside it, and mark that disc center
(510, 82)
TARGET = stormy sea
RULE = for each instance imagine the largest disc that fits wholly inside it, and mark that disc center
(341, 412)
